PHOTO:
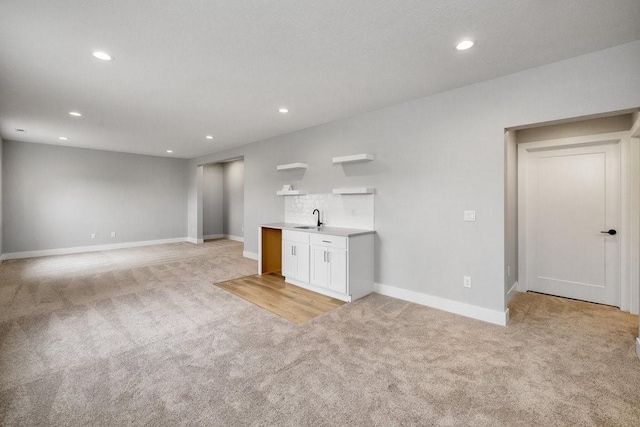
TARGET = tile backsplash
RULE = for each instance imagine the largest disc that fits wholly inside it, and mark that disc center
(349, 211)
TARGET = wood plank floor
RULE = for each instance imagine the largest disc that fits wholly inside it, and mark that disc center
(270, 292)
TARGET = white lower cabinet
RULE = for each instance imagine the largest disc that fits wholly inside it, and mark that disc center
(341, 267)
(295, 255)
(329, 268)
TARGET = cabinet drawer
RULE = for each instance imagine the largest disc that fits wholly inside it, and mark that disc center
(295, 236)
(330, 241)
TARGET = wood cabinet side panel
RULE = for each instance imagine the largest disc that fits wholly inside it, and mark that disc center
(271, 250)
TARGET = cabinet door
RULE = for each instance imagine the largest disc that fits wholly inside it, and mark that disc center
(319, 272)
(301, 252)
(337, 270)
(289, 263)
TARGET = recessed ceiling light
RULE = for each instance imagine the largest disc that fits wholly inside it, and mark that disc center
(20, 130)
(64, 138)
(103, 55)
(209, 136)
(464, 45)
(283, 110)
(75, 114)
(169, 151)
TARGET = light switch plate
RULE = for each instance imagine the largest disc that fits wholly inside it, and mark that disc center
(469, 215)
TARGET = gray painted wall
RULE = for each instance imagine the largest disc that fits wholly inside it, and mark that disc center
(55, 197)
(436, 157)
(234, 198)
(212, 197)
(1, 224)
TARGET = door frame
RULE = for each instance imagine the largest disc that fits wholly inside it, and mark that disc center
(629, 215)
(198, 230)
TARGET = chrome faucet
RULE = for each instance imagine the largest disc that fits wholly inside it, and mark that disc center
(314, 212)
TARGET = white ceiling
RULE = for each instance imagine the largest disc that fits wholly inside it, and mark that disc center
(185, 69)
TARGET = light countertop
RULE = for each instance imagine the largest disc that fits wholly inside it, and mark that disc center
(332, 231)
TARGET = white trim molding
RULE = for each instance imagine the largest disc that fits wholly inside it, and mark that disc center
(492, 316)
(223, 236)
(92, 248)
(638, 346)
(512, 292)
(213, 236)
(195, 241)
(250, 255)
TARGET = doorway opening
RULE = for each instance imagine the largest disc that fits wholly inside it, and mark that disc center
(572, 209)
(223, 200)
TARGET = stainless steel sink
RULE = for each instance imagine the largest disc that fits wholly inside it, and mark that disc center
(308, 227)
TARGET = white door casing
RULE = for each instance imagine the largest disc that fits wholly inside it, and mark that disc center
(571, 194)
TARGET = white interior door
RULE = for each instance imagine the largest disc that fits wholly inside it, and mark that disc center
(572, 200)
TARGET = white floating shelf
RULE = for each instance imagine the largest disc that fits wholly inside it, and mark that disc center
(292, 166)
(290, 193)
(354, 158)
(358, 190)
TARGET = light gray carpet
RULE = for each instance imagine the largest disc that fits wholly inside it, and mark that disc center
(142, 337)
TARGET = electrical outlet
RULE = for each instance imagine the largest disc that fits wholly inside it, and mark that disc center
(469, 215)
(93, 235)
(113, 234)
(467, 282)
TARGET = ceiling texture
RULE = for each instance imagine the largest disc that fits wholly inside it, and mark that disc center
(186, 69)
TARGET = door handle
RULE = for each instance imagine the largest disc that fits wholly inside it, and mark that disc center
(611, 232)
(324, 256)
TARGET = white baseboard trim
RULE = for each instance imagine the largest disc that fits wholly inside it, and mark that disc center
(223, 236)
(521, 286)
(195, 241)
(250, 255)
(468, 310)
(92, 248)
(512, 292)
(638, 346)
(213, 236)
